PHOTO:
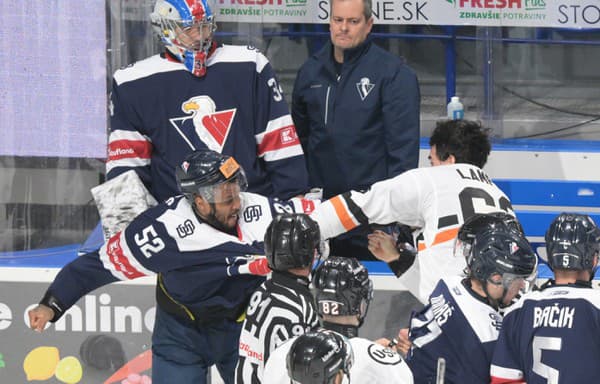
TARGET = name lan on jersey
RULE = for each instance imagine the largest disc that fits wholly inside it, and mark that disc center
(477, 175)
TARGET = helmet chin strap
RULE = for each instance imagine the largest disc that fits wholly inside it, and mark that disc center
(349, 331)
(495, 303)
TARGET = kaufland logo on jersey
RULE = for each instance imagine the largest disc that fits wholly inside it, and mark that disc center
(120, 152)
(288, 135)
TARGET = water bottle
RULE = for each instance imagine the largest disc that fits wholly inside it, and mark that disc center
(455, 109)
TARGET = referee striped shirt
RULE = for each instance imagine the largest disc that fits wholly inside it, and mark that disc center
(281, 308)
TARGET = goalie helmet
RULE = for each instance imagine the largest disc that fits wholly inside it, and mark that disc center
(572, 242)
(186, 28)
(291, 241)
(342, 287)
(203, 172)
(317, 357)
(479, 223)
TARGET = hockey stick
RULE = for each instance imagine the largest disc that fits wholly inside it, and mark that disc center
(441, 371)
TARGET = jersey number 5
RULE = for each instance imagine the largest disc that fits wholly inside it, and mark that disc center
(541, 343)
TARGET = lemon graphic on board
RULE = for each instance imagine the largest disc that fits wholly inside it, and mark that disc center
(69, 370)
(39, 364)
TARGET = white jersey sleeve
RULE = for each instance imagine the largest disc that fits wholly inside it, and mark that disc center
(434, 201)
(275, 371)
(375, 364)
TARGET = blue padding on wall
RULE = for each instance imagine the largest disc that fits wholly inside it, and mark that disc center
(535, 223)
(551, 192)
(537, 145)
(379, 268)
(40, 258)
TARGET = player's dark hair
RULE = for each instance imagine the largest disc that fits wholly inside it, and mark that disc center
(466, 140)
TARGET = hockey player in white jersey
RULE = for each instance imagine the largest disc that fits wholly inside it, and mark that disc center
(283, 306)
(462, 319)
(343, 292)
(205, 246)
(551, 335)
(435, 201)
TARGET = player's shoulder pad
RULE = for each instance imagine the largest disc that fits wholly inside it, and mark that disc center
(144, 68)
(382, 355)
(238, 54)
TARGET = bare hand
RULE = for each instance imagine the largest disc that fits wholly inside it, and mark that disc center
(383, 246)
(389, 344)
(404, 342)
(39, 317)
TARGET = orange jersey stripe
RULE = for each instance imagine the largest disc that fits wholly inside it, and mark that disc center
(342, 213)
(440, 237)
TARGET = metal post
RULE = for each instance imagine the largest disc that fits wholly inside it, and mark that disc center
(450, 56)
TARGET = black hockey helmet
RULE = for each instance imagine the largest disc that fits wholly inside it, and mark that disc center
(317, 357)
(572, 241)
(480, 222)
(291, 241)
(506, 253)
(342, 287)
(204, 170)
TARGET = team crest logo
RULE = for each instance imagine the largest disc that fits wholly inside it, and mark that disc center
(204, 125)
(364, 87)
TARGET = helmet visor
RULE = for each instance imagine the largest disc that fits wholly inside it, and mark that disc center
(462, 249)
(514, 286)
(189, 36)
(224, 191)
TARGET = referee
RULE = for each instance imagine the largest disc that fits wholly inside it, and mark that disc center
(283, 306)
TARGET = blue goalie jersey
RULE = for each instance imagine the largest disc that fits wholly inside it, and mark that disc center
(160, 113)
(550, 336)
(457, 326)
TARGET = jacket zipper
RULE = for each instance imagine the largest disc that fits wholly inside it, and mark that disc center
(327, 104)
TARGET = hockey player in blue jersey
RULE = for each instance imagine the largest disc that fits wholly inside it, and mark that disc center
(203, 245)
(198, 94)
(462, 319)
(551, 335)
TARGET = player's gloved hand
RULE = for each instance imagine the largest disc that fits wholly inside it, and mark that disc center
(314, 194)
(259, 266)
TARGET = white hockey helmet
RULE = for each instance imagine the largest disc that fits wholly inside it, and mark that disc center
(186, 28)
